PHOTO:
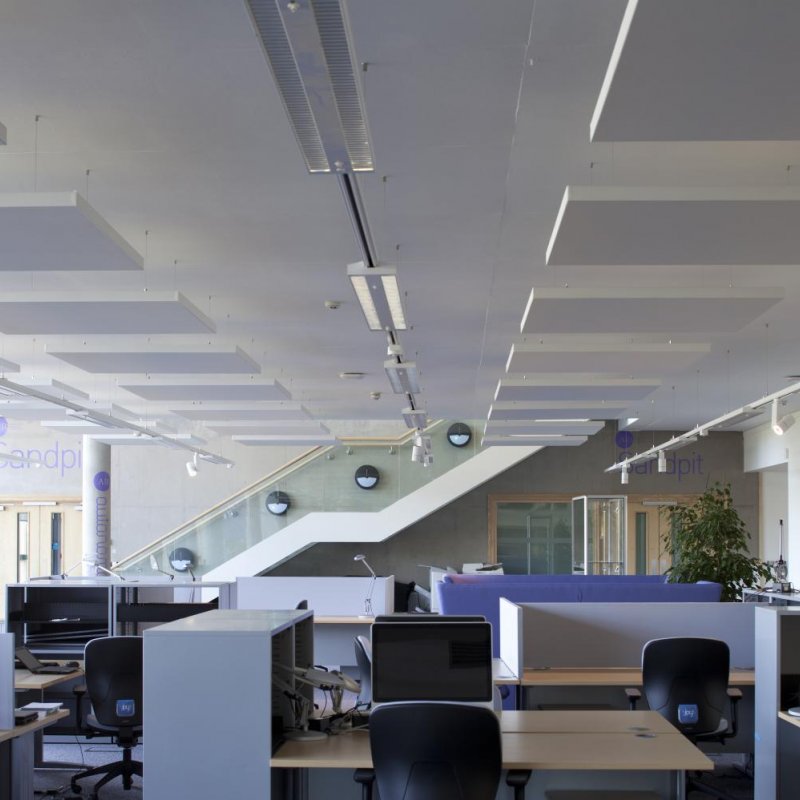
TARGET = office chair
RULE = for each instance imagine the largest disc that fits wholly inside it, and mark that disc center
(429, 751)
(302, 605)
(113, 671)
(363, 650)
(685, 679)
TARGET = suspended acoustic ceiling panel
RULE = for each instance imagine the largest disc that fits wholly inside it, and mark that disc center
(168, 362)
(40, 314)
(719, 70)
(584, 356)
(34, 411)
(241, 391)
(565, 409)
(59, 231)
(132, 439)
(268, 429)
(528, 441)
(666, 226)
(79, 426)
(56, 389)
(551, 427)
(309, 440)
(8, 366)
(210, 412)
(573, 387)
(650, 310)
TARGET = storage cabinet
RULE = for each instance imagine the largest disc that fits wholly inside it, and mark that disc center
(212, 706)
(777, 739)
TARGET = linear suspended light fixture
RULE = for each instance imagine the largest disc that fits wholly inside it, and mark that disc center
(403, 376)
(415, 417)
(378, 294)
(307, 47)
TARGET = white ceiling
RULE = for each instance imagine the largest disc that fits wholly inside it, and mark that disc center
(164, 115)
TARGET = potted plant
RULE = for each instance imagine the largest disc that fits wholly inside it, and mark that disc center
(708, 542)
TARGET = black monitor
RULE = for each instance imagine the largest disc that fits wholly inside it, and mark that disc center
(448, 661)
(437, 618)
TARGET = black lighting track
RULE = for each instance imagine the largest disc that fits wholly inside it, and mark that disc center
(352, 199)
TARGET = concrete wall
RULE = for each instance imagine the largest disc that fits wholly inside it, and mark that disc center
(458, 533)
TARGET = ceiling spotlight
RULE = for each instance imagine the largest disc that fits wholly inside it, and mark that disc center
(780, 426)
(662, 461)
(191, 466)
(422, 450)
(623, 475)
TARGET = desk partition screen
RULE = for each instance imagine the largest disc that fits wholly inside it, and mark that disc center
(448, 661)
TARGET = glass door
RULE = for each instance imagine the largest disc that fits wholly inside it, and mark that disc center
(599, 535)
(648, 518)
(531, 536)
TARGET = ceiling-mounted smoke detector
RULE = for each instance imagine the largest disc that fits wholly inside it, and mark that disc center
(307, 45)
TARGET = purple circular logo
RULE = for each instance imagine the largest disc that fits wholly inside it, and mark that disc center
(102, 481)
(624, 439)
(3, 426)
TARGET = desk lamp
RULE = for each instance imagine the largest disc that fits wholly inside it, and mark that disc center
(781, 567)
(368, 599)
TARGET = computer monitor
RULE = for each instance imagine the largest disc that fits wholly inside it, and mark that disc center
(449, 661)
(435, 618)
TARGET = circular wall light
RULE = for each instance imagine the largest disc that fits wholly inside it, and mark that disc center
(278, 503)
(367, 476)
(181, 559)
(459, 434)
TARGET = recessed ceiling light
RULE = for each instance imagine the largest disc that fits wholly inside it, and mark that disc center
(352, 376)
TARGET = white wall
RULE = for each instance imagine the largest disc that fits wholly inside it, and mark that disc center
(777, 458)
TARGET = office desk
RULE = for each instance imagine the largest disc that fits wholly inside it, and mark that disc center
(608, 676)
(26, 681)
(17, 757)
(545, 742)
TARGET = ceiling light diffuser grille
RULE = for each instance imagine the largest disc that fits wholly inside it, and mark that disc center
(308, 52)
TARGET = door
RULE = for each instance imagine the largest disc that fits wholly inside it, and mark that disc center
(530, 535)
(648, 518)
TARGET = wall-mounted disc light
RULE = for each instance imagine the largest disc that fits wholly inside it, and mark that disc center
(181, 559)
(459, 434)
(367, 476)
(278, 503)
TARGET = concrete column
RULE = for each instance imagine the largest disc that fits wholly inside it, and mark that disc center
(96, 500)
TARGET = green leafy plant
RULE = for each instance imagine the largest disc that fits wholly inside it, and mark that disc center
(708, 542)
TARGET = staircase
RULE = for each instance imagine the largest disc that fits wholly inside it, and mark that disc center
(240, 537)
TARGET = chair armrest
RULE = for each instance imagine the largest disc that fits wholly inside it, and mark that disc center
(633, 695)
(518, 779)
(734, 695)
(366, 777)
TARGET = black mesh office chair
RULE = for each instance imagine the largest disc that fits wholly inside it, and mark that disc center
(113, 667)
(429, 751)
(363, 650)
(685, 679)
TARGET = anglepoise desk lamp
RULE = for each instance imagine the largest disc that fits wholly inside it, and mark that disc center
(368, 599)
(782, 568)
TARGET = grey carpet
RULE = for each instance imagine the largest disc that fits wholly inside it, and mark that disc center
(56, 783)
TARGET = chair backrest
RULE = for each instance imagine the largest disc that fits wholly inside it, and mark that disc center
(685, 679)
(364, 661)
(302, 605)
(428, 751)
(113, 667)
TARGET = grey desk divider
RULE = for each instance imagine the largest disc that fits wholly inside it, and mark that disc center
(613, 634)
(6, 680)
(511, 636)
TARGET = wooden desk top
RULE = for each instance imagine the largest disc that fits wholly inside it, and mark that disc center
(584, 722)
(528, 744)
(24, 680)
(608, 676)
(789, 718)
(44, 722)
